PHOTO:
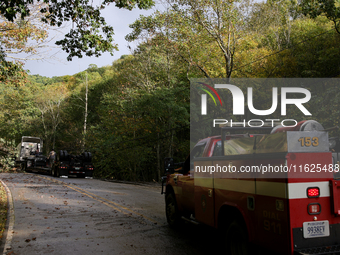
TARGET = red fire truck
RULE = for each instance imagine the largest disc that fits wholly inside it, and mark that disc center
(280, 190)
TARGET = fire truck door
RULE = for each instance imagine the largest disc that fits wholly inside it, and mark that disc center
(204, 193)
(186, 181)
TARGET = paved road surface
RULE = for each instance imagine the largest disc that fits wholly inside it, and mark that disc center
(88, 216)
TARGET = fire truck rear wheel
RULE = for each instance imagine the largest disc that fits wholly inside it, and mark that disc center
(237, 239)
(172, 214)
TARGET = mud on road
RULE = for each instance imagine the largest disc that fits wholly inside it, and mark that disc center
(87, 216)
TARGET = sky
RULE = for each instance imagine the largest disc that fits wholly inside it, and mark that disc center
(55, 63)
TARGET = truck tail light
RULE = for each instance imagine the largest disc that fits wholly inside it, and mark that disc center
(314, 208)
(313, 192)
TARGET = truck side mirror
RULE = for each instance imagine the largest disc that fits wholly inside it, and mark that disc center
(169, 165)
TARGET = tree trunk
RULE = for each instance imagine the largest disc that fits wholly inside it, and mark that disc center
(85, 119)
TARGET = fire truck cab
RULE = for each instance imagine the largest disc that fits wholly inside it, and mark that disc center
(279, 190)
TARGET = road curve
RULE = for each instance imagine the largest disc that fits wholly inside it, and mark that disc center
(87, 216)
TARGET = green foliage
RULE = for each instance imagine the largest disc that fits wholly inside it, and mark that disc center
(138, 108)
(135, 127)
(7, 159)
(202, 33)
(92, 34)
(11, 72)
(328, 8)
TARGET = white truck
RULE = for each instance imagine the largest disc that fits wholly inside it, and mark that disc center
(27, 151)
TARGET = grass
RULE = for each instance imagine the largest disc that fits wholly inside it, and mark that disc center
(3, 209)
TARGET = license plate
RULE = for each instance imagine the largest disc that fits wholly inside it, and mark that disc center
(77, 168)
(313, 229)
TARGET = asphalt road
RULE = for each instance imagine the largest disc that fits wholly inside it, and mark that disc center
(89, 216)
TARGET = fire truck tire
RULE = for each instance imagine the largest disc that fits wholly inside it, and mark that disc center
(172, 214)
(237, 239)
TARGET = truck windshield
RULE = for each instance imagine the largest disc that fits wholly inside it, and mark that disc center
(197, 152)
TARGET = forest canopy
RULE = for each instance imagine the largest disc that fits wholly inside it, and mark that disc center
(135, 112)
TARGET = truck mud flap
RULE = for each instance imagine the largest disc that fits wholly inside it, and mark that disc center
(63, 172)
(334, 250)
(89, 173)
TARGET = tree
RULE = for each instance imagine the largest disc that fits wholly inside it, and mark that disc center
(11, 72)
(274, 19)
(21, 36)
(190, 26)
(49, 103)
(91, 35)
(16, 110)
(328, 8)
(142, 108)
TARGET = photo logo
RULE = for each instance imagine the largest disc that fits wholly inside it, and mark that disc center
(238, 99)
(204, 98)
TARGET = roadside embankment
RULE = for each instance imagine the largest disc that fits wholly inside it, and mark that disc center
(3, 210)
